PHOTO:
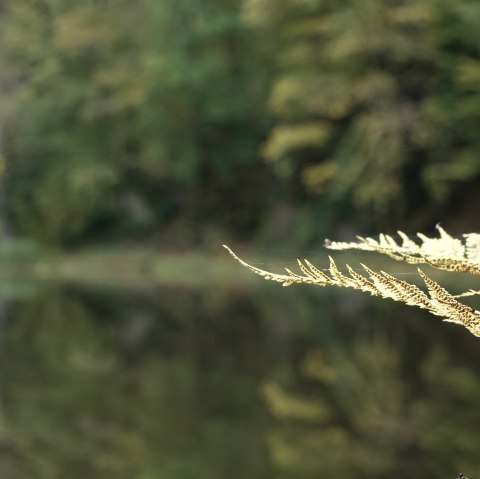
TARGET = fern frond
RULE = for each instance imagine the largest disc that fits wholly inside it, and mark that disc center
(444, 252)
(438, 301)
(470, 292)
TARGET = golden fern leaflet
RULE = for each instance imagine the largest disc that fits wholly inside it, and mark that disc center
(445, 252)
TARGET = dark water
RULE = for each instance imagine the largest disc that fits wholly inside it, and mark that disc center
(237, 383)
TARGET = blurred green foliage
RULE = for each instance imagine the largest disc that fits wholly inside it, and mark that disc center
(378, 100)
(138, 111)
(181, 383)
(154, 118)
(107, 388)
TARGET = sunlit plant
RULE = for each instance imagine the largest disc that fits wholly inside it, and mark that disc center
(445, 253)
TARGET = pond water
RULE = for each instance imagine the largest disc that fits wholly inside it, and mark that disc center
(239, 383)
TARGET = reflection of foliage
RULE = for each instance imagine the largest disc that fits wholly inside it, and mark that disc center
(458, 413)
(176, 383)
(375, 425)
(445, 253)
(86, 393)
(367, 425)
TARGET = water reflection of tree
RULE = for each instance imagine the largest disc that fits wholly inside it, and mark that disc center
(187, 384)
(81, 401)
(358, 409)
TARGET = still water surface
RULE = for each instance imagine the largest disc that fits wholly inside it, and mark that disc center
(239, 383)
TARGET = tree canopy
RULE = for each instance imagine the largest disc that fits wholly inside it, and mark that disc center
(151, 117)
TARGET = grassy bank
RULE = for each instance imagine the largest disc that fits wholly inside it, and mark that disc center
(139, 267)
(116, 266)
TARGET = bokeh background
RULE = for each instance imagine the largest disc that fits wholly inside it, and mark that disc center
(187, 122)
(138, 136)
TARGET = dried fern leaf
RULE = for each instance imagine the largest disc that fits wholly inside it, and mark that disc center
(446, 305)
(470, 292)
(472, 247)
(438, 301)
(444, 252)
